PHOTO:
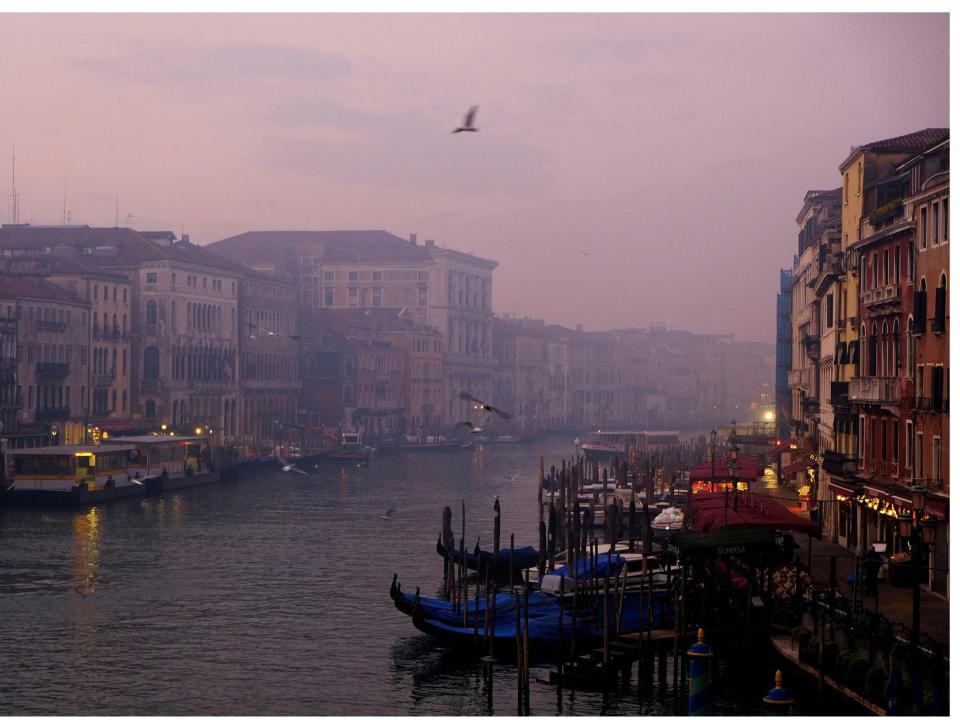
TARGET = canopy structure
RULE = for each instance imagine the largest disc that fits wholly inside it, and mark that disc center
(795, 467)
(707, 512)
(719, 469)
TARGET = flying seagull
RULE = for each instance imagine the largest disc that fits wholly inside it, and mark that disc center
(386, 515)
(473, 428)
(481, 405)
(136, 482)
(468, 121)
(513, 477)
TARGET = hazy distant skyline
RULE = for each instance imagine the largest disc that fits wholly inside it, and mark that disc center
(629, 169)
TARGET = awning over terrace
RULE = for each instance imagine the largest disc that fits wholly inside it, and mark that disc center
(707, 512)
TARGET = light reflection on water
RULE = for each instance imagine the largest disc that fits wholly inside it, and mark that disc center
(267, 595)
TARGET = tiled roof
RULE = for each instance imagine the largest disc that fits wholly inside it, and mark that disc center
(260, 246)
(25, 286)
(912, 142)
(111, 247)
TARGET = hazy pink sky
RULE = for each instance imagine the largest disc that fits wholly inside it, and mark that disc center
(673, 149)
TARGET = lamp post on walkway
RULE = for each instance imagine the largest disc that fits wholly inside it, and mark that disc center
(713, 460)
(921, 533)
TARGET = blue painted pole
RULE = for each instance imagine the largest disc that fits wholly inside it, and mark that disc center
(778, 700)
(700, 655)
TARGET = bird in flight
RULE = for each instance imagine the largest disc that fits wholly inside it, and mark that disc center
(481, 405)
(513, 477)
(386, 515)
(361, 463)
(136, 482)
(468, 121)
(584, 252)
(473, 428)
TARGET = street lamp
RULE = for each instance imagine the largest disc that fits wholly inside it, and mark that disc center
(713, 460)
(576, 445)
(920, 532)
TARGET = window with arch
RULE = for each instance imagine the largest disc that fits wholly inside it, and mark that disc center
(151, 363)
(896, 347)
(884, 360)
(940, 305)
(864, 350)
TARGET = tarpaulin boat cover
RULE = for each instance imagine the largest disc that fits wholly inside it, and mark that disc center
(707, 512)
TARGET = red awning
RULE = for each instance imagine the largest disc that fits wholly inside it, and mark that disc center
(712, 511)
(720, 470)
(797, 466)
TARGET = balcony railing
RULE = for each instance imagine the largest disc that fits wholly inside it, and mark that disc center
(838, 464)
(53, 325)
(880, 295)
(53, 369)
(931, 405)
(811, 405)
(104, 379)
(934, 484)
(811, 344)
(839, 393)
(875, 390)
(150, 385)
(53, 413)
(150, 330)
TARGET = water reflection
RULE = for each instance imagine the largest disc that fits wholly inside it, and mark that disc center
(85, 560)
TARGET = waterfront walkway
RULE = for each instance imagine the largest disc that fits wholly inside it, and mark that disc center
(895, 603)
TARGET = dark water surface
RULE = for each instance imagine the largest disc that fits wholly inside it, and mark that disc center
(268, 595)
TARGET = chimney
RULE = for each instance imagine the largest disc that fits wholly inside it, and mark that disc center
(413, 238)
(428, 243)
(185, 237)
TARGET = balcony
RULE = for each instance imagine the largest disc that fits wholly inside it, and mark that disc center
(8, 325)
(799, 378)
(811, 343)
(838, 464)
(104, 379)
(839, 393)
(881, 296)
(875, 390)
(53, 369)
(931, 484)
(810, 405)
(150, 386)
(51, 325)
(53, 413)
(8, 369)
(150, 330)
(930, 405)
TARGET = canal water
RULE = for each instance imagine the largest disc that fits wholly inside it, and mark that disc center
(269, 595)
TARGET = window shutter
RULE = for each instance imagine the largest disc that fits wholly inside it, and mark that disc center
(854, 352)
(939, 319)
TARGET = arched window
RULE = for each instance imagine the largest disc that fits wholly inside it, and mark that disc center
(872, 362)
(864, 350)
(884, 351)
(911, 347)
(896, 347)
(151, 363)
(151, 313)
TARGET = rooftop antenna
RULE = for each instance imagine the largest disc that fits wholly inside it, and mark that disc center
(116, 216)
(63, 217)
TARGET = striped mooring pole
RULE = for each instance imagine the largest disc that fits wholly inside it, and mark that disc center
(700, 655)
(778, 700)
